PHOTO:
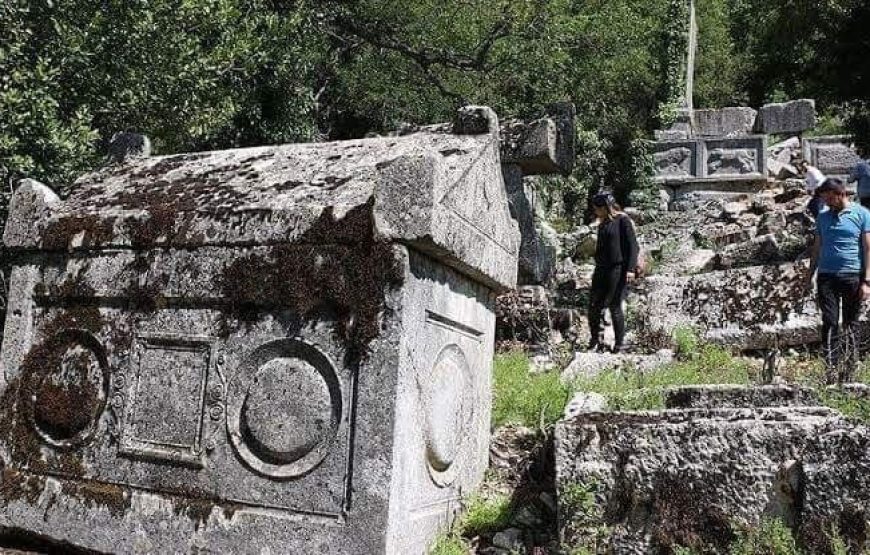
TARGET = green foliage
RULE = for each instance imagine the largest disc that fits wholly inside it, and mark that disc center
(676, 45)
(686, 342)
(192, 75)
(850, 405)
(449, 543)
(485, 514)
(519, 397)
(772, 537)
(583, 518)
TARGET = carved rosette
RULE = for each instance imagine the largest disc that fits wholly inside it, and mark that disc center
(448, 409)
(67, 384)
(284, 408)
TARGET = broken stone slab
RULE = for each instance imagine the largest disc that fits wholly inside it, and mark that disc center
(832, 154)
(791, 189)
(687, 261)
(772, 223)
(780, 170)
(676, 134)
(761, 249)
(589, 364)
(544, 146)
(692, 476)
(584, 401)
(275, 349)
(785, 151)
(738, 396)
(757, 307)
(763, 202)
(781, 118)
(732, 210)
(720, 234)
(724, 122)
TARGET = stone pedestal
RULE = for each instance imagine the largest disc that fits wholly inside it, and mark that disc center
(281, 349)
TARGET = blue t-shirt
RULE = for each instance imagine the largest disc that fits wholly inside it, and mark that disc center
(861, 174)
(842, 235)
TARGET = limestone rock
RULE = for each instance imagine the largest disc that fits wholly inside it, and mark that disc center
(584, 401)
(746, 308)
(725, 122)
(795, 116)
(587, 364)
(718, 456)
(759, 250)
(834, 155)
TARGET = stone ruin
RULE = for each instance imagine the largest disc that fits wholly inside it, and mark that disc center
(275, 349)
(714, 460)
(541, 147)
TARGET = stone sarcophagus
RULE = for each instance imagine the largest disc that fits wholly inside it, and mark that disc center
(710, 160)
(270, 350)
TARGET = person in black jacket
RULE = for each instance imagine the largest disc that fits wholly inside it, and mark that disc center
(616, 256)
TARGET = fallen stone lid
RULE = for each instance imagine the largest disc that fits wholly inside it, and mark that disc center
(439, 189)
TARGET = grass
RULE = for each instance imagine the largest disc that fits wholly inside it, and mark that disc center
(772, 537)
(629, 389)
(485, 514)
(519, 397)
(449, 544)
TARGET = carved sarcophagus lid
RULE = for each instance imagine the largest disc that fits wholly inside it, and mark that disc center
(283, 349)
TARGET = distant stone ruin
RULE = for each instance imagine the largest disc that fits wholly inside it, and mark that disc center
(282, 349)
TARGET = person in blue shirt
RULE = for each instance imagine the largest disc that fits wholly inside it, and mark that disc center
(861, 174)
(841, 247)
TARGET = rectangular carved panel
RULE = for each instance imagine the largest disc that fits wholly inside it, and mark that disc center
(163, 419)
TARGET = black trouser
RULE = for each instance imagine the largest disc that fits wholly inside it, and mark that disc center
(607, 292)
(834, 290)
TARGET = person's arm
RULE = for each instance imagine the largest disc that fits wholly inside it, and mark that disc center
(814, 260)
(865, 278)
(630, 249)
(854, 173)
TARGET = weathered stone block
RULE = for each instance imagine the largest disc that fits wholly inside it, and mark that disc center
(795, 116)
(676, 160)
(724, 122)
(832, 154)
(277, 349)
(748, 308)
(744, 157)
(720, 459)
(542, 146)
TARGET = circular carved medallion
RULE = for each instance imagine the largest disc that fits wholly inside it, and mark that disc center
(449, 410)
(285, 408)
(68, 388)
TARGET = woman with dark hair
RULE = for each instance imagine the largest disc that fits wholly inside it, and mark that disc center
(616, 258)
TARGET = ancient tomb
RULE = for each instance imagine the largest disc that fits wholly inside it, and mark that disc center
(283, 349)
